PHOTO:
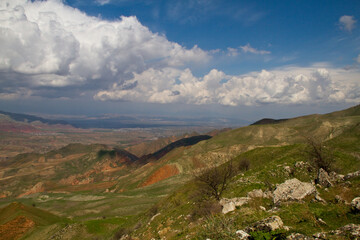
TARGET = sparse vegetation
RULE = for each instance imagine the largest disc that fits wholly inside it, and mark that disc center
(319, 155)
(114, 205)
(213, 181)
(244, 164)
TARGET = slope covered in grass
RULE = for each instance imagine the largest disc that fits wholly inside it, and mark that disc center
(184, 215)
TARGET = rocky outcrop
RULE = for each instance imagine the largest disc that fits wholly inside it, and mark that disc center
(242, 235)
(297, 236)
(355, 204)
(258, 193)
(229, 205)
(351, 230)
(352, 175)
(294, 190)
(337, 178)
(323, 178)
(267, 225)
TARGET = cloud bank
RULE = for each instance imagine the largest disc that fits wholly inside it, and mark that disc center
(290, 85)
(52, 50)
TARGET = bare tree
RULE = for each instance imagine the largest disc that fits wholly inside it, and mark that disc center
(319, 155)
(213, 181)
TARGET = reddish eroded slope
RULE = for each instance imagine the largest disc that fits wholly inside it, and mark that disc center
(16, 228)
(162, 173)
(9, 126)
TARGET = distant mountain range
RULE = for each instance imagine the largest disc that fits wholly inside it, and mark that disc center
(31, 118)
(268, 121)
(120, 121)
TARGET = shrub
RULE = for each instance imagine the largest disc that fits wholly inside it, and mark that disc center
(153, 210)
(205, 209)
(244, 164)
(218, 227)
(274, 235)
(119, 233)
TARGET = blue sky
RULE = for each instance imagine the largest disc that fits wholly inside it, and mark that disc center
(295, 32)
(244, 59)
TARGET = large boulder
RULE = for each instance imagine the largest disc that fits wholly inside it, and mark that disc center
(293, 189)
(323, 178)
(230, 204)
(355, 204)
(267, 225)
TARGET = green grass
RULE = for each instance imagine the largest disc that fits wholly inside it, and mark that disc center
(39, 216)
(107, 226)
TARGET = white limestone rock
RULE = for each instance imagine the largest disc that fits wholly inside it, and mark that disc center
(294, 190)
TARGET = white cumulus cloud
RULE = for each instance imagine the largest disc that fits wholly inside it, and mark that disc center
(49, 44)
(290, 85)
(347, 23)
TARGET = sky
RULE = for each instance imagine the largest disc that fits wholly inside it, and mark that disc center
(231, 59)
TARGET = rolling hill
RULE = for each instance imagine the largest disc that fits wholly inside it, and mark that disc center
(154, 196)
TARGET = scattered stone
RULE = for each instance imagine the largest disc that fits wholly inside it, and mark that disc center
(340, 177)
(274, 209)
(293, 189)
(288, 170)
(242, 234)
(321, 221)
(230, 205)
(319, 199)
(334, 177)
(301, 164)
(347, 184)
(339, 199)
(164, 231)
(355, 204)
(286, 228)
(297, 236)
(351, 175)
(323, 178)
(256, 193)
(320, 235)
(267, 225)
(351, 229)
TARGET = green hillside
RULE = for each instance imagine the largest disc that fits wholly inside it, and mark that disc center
(268, 168)
(109, 192)
(40, 217)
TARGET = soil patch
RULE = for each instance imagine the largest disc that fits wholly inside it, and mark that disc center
(16, 228)
(162, 173)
